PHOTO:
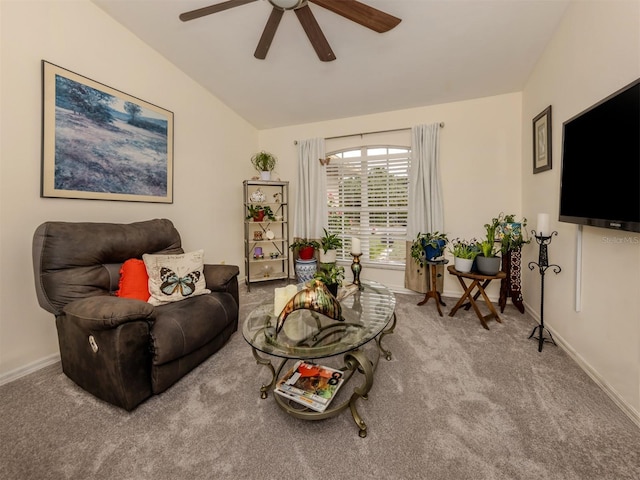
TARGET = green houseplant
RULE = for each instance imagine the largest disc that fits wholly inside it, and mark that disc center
(428, 246)
(259, 212)
(305, 248)
(487, 261)
(332, 276)
(264, 162)
(510, 232)
(464, 253)
(330, 243)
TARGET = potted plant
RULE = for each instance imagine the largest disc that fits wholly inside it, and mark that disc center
(264, 162)
(464, 253)
(428, 246)
(259, 212)
(305, 248)
(510, 233)
(330, 243)
(487, 261)
(332, 276)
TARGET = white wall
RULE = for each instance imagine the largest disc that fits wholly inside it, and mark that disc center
(212, 147)
(595, 51)
(479, 156)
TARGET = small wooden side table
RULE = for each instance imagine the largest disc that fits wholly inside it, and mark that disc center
(479, 282)
(433, 292)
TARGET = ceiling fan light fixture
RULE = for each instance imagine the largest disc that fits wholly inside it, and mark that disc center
(287, 4)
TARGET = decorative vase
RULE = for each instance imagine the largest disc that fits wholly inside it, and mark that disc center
(463, 265)
(433, 252)
(488, 265)
(258, 216)
(257, 196)
(265, 175)
(306, 269)
(306, 253)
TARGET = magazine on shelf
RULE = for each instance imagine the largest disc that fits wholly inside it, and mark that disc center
(311, 385)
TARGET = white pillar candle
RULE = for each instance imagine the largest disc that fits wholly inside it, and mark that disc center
(282, 297)
(356, 249)
(543, 225)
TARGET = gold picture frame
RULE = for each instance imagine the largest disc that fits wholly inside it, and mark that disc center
(99, 143)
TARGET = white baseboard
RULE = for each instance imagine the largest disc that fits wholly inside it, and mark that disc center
(589, 370)
(30, 368)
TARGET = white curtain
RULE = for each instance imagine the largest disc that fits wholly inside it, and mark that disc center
(311, 198)
(426, 209)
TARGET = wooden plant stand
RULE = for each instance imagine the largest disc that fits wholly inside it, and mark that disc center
(510, 286)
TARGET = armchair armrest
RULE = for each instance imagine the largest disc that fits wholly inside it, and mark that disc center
(104, 312)
(222, 278)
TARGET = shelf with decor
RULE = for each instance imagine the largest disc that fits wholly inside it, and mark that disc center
(266, 231)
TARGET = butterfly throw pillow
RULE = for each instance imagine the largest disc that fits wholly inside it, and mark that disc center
(175, 277)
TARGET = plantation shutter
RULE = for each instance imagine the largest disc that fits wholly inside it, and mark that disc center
(367, 198)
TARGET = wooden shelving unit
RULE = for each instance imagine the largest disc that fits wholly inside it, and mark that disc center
(266, 243)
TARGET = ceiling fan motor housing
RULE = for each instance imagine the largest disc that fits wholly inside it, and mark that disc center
(287, 4)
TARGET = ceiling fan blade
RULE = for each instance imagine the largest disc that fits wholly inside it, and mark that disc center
(219, 7)
(268, 33)
(316, 37)
(358, 12)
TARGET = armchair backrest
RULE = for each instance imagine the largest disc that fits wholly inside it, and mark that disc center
(74, 260)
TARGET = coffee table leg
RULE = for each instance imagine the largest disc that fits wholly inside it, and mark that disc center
(389, 331)
(358, 360)
(264, 389)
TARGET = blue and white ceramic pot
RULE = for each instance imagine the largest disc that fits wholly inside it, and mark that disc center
(306, 269)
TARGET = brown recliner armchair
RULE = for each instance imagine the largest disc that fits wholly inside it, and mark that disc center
(119, 349)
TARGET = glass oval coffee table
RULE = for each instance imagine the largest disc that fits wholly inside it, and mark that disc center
(369, 315)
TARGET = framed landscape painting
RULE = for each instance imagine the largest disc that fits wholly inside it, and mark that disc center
(102, 144)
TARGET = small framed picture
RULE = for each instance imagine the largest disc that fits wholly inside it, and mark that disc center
(542, 141)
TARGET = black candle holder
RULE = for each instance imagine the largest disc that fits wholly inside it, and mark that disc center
(356, 268)
(543, 265)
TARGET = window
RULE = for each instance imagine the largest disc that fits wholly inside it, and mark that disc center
(367, 195)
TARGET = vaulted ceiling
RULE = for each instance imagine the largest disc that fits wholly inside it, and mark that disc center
(441, 51)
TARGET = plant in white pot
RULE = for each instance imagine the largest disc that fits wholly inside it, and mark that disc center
(464, 253)
(264, 162)
(329, 244)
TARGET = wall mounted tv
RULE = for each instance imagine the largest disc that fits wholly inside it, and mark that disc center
(600, 180)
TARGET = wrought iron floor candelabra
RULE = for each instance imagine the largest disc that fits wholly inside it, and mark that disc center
(543, 265)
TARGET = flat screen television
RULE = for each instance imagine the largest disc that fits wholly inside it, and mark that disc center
(600, 179)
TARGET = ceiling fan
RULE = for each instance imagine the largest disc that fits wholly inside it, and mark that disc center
(353, 10)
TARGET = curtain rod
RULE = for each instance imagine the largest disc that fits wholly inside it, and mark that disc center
(295, 142)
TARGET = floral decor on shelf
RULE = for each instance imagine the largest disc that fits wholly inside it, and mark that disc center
(264, 163)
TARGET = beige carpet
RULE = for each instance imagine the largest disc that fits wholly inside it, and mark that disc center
(455, 402)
